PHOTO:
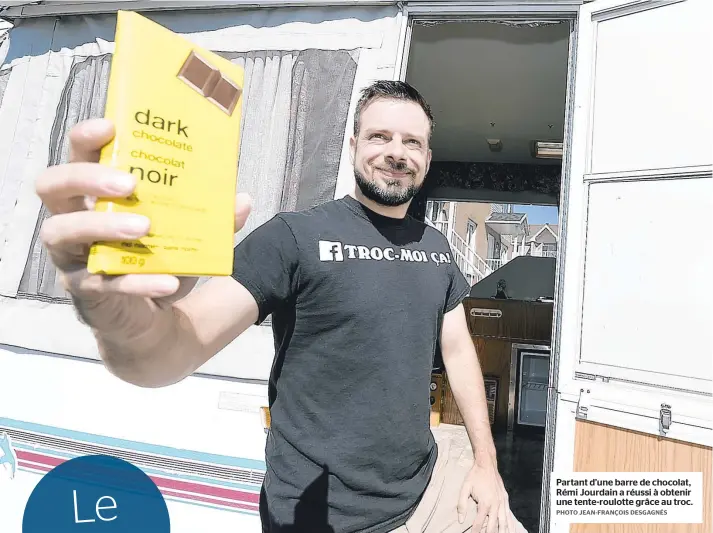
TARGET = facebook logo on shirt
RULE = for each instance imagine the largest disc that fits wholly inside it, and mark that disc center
(330, 251)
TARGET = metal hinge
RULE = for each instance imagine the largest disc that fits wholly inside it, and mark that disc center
(582, 405)
(665, 419)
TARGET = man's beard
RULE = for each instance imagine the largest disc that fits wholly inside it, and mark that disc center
(391, 197)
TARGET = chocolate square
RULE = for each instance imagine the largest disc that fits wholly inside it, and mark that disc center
(225, 95)
(199, 74)
(209, 82)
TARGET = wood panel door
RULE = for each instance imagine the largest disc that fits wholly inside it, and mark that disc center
(601, 448)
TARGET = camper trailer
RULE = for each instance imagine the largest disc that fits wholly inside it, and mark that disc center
(600, 109)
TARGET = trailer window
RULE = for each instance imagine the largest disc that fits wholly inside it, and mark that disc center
(294, 120)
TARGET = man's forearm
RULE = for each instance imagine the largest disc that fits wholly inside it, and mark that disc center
(465, 378)
(154, 343)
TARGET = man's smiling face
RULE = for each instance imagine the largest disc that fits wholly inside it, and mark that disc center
(391, 153)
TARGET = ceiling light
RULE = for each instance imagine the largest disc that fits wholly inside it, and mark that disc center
(547, 150)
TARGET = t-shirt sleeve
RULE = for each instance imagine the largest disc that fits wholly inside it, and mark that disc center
(266, 263)
(458, 288)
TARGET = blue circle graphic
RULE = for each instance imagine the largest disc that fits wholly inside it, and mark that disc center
(96, 493)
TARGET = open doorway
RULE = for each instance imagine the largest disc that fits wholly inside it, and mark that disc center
(498, 90)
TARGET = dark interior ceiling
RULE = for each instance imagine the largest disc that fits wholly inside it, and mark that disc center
(488, 80)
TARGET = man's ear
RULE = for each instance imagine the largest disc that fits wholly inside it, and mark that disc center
(428, 160)
(352, 148)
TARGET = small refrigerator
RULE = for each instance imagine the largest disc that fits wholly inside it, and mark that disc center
(533, 380)
(491, 395)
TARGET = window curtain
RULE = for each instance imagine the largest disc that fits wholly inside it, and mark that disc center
(83, 98)
(4, 45)
(267, 94)
(321, 94)
(4, 78)
(295, 107)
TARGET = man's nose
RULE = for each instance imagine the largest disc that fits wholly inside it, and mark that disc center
(395, 150)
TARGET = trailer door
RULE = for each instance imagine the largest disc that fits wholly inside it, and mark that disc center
(636, 278)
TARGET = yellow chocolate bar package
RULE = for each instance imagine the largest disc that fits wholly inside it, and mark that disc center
(176, 109)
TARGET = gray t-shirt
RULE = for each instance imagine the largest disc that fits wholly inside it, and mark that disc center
(357, 303)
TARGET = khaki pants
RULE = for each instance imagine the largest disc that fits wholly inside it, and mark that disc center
(437, 511)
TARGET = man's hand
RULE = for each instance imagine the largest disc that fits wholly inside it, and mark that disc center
(67, 191)
(144, 335)
(485, 486)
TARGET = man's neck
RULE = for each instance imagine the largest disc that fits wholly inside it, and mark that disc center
(398, 211)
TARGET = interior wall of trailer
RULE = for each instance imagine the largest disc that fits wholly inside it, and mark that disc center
(39, 59)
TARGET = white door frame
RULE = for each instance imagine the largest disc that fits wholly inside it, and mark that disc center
(564, 10)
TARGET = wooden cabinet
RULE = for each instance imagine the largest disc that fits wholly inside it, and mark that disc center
(510, 320)
(601, 448)
(495, 325)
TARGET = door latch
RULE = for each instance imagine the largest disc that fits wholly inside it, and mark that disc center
(582, 405)
(664, 419)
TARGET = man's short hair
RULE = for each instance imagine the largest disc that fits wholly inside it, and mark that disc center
(395, 90)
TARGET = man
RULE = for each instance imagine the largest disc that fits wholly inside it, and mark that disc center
(360, 296)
